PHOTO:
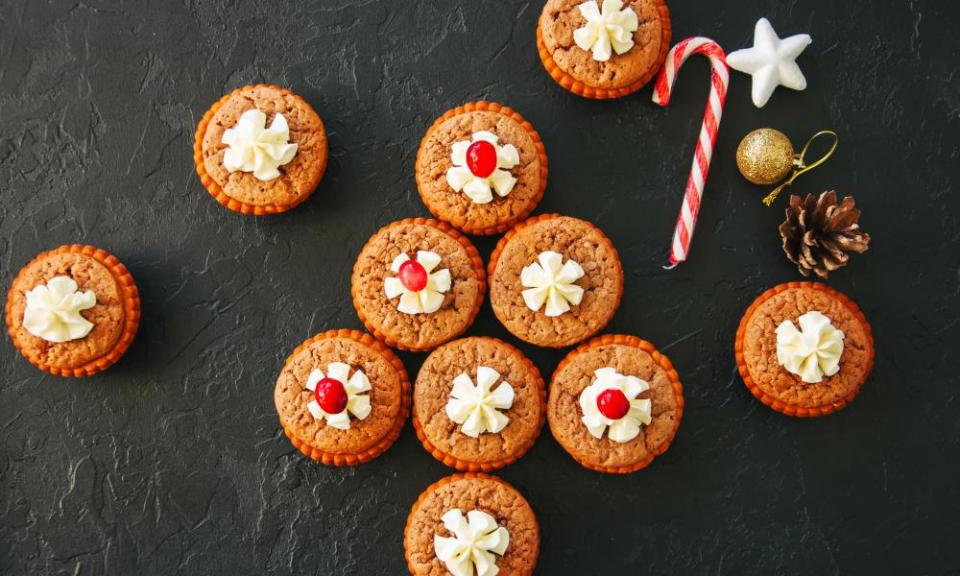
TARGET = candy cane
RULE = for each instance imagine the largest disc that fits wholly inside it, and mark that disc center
(719, 78)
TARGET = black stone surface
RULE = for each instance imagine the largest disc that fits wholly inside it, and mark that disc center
(172, 462)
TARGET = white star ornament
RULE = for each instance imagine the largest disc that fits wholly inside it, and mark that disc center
(771, 61)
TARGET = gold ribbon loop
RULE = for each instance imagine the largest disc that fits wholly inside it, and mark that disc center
(799, 165)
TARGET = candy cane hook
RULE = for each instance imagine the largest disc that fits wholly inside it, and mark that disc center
(719, 79)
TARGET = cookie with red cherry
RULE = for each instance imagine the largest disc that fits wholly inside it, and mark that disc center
(342, 397)
(418, 283)
(481, 167)
(615, 404)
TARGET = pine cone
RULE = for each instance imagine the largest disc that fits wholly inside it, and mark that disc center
(819, 232)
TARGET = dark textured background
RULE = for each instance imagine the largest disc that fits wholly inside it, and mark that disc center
(173, 462)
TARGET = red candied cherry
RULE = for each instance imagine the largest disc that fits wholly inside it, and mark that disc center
(613, 404)
(331, 395)
(413, 275)
(482, 158)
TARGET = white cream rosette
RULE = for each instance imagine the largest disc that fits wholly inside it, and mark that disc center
(356, 386)
(480, 188)
(254, 147)
(550, 282)
(608, 29)
(53, 310)
(477, 407)
(430, 298)
(811, 352)
(623, 429)
(475, 545)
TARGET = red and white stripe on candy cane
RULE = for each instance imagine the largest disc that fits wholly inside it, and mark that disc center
(719, 79)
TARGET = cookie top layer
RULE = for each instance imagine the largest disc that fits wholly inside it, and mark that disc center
(759, 346)
(433, 390)
(461, 302)
(292, 396)
(298, 178)
(457, 208)
(578, 372)
(576, 240)
(559, 20)
(107, 315)
(472, 492)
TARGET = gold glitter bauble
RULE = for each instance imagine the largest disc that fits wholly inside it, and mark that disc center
(765, 156)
